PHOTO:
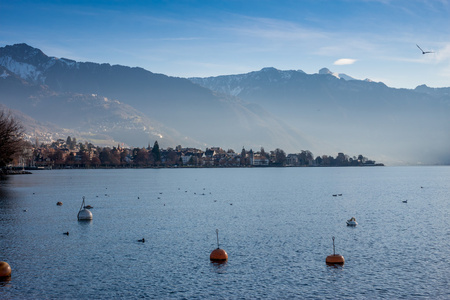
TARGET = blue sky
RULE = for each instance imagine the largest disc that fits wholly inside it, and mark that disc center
(373, 39)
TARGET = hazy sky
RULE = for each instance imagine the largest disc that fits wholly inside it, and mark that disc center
(373, 39)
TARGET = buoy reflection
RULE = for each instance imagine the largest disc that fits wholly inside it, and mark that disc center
(219, 267)
(219, 263)
(4, 281)
(335, 266)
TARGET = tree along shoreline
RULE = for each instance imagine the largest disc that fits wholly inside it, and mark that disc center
(138, 158)
(18, 155)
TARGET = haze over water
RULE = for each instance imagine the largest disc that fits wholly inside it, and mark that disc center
(275, 223)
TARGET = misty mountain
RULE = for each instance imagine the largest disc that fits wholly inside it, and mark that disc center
(91, 117)
(44, 132)
(325, 112)
(133, 105)
(337, 114)
(442, 93)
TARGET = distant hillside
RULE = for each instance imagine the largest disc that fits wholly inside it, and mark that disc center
(133, 105)
(325, 113)
(44, 132)
(88, 116)
(398, 125)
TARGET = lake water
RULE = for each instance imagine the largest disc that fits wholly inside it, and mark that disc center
(276, 224)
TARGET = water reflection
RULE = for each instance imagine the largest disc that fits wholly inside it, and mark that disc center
(335, 266)
(5, 281)
(7, 202)
(4, 194)
(219, 266)
(85, 223)
(8, 198)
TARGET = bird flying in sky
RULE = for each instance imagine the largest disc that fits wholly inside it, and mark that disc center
(424, 52)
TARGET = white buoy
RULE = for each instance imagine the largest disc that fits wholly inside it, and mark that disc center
(84, 213)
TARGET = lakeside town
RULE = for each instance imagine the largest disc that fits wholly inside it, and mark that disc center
(68, 153)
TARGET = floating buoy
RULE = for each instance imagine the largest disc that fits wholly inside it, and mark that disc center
(5, 269)
(59, 203)
(335, 259)
(84, 214)
(218, 255)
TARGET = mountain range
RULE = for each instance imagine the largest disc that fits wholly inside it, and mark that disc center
(324, 112)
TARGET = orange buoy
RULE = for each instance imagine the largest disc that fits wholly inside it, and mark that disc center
(5, 269)
(218, 255)
(335, 258)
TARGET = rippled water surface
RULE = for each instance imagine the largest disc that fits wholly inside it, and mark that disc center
(275, 223)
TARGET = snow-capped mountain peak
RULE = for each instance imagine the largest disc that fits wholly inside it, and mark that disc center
(68, 62)
(326, 71)
(26, 62)
(23, 70)
(235, 84)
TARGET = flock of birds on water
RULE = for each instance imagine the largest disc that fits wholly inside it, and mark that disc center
(143, 239)
(59, 203)
(351, 222)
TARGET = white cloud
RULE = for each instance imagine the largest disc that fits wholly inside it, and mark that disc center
(443, 55)
(344, 61)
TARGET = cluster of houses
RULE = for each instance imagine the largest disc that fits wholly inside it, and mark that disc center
(69, 154)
